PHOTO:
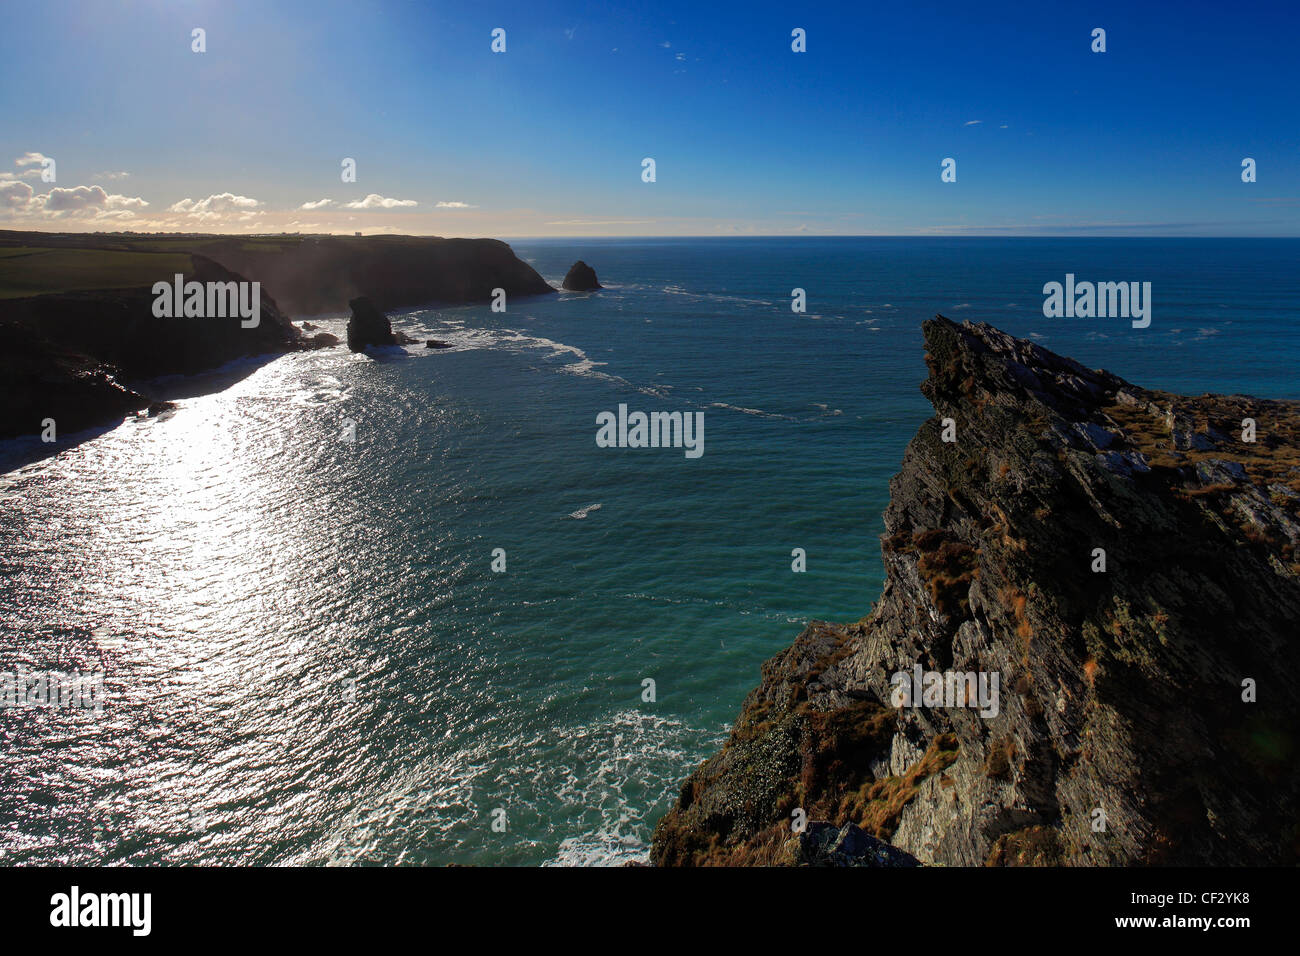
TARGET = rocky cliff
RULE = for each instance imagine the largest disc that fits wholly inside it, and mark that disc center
(63, 355)
(1124, 560)
(316, 274)
(63, 352)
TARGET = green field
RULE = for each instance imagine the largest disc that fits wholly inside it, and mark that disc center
(34, 270)
(33, 263)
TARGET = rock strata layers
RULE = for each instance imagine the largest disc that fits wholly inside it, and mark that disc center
(1124, 560)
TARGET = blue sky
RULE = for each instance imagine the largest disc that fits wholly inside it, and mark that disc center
(748, 136)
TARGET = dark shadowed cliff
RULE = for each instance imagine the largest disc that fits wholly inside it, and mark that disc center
(1121, 690)
(323, 273)
(63, 355)
(76, 310)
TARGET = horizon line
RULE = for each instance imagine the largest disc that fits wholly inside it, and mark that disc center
(773, 235)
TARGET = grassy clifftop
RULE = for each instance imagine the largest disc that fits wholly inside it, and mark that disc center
(42, 270)
(307, 275)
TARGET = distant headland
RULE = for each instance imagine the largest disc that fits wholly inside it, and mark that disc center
(78, 317)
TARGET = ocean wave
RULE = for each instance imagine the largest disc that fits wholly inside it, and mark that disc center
(716, 296)
(827, 410)
(632, 753)
(750, 411)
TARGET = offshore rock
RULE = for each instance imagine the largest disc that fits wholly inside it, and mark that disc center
(368, 326)
(581, 278)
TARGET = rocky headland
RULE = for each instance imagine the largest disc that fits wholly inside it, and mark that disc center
(77, 311)
(66, 355)
(1124, 559)
(317, 274)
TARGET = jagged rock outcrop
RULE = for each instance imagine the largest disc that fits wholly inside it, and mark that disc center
(1121, 690)
(368, 326)
(823, 844)
(581, 278)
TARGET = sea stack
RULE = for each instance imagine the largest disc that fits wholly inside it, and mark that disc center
(581, 278)
(368, 326)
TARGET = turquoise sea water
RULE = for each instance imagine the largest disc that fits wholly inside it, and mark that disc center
(308, 657)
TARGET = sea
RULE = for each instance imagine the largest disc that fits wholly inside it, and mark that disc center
(401, 607)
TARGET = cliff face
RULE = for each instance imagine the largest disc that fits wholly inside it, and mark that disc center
(323, 273)
(64, 353)
(1121, 690)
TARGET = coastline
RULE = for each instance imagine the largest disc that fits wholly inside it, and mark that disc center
(83, 358)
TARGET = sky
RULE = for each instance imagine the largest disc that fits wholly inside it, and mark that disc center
(748, 136)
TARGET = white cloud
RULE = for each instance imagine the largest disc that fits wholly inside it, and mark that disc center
(14, 196)
(81, 198)
(37, 163)
(455, 205)
(318, 204)
(216, 204)
(972, 123)
(110, 175)
(79, 202)
(376, 201)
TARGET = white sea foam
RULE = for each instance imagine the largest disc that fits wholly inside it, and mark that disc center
(750, 411)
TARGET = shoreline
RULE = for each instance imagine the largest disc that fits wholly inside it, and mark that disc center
(79, 357)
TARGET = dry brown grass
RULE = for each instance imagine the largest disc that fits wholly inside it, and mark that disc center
(947, 566)
(877, 806)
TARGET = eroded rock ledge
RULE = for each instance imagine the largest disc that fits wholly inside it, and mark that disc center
(1120, 690)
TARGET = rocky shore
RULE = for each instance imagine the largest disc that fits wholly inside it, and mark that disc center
(65, 354)
(1124, 559)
